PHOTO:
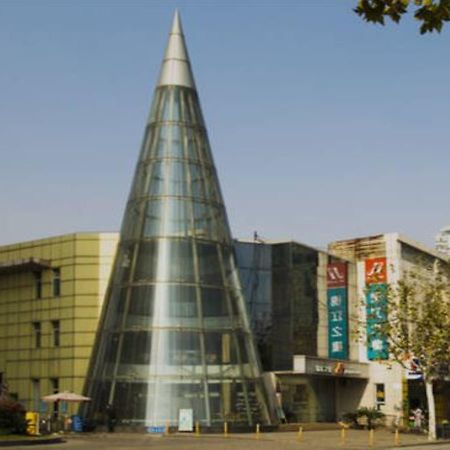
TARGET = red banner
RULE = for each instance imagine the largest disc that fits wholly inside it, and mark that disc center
(376, 271)
(337, 275)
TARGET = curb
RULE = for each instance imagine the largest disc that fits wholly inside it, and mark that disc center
(15, 443)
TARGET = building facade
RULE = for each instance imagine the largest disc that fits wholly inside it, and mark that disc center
(381, 260)
(51, 291)
(306, 307)
(301, 326)
(443, 241)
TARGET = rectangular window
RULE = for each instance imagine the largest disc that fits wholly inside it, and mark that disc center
(37, 334)
(56, 332)
(38, 285)
(380, 394)
(56, 282)
(36, 385)
(54, 382)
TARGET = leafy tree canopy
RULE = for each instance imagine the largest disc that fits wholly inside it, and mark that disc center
(430, 13)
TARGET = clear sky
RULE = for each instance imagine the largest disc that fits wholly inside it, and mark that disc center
(322, 127)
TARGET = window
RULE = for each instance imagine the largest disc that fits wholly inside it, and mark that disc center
(36, 385)
(37, 334)
(380, 394)
(38, 285)
(54, 382)
(56, 332)
(56, 282)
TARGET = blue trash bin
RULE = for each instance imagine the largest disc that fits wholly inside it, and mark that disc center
(77, 424)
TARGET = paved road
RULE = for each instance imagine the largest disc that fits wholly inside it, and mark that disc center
(311, 440)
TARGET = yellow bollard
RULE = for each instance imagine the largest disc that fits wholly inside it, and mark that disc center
(225, 429)
(300, 433)
(371, 437)
(343, 435)
(167, 430)
(397, 437)
(257, 431)
(197, 428)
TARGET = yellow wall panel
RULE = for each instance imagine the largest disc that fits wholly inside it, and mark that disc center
(85, 267)
(86, 247)
(86, 287)
(87, 271)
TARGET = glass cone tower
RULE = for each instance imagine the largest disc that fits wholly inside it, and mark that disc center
(174, 332)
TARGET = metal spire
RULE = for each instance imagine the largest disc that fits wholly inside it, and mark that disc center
(176, 67)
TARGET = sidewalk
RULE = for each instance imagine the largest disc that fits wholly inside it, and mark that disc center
(310, 440)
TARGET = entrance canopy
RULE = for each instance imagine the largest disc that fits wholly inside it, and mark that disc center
(310, 365)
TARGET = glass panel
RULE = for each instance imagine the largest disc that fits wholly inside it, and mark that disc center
(162, 145)
(156, 184)
(209, 263)
(176, 143)
(196, 181)
(136, 347)
(178, 179)
(214, 302)
(177, 215)
(146, 262)
(191, 145)
(169, 398)
(186, 116)
(166, 105)
(176, 113)
(202, 220)
(140, 306)
(153, 218)
(165, 260)
(130, 400)
(155, 106)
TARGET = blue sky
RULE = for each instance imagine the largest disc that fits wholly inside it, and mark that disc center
(322, 127)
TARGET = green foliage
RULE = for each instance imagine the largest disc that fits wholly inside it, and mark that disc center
(431, 13)
(372, 415)
(12, 417)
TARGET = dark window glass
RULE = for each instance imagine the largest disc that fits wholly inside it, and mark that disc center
(146, 263)
(56, 332)
(137, 346)
(38, 284)
(214, 303)
(209, 264)
(55, 389)
(56, 282)
(37, 334)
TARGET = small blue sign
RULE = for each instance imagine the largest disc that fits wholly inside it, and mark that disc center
(157, 430)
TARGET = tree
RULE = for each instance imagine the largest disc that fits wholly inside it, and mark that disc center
(431, 13)
(415, 324)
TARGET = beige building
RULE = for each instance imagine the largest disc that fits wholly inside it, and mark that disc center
(51, 291)
(394, 389)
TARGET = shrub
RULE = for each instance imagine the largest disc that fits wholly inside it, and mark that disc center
(12, 417)
(373, 416)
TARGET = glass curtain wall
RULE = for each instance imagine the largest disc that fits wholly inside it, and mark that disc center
(174, 333)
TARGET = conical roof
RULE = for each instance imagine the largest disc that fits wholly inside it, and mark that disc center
(174, 332)
(176, 67)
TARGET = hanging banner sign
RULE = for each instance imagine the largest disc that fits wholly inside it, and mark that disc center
(376, 308)
(376, 271)
(337, 310)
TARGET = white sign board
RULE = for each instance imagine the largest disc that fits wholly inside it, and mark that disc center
(186, 420)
